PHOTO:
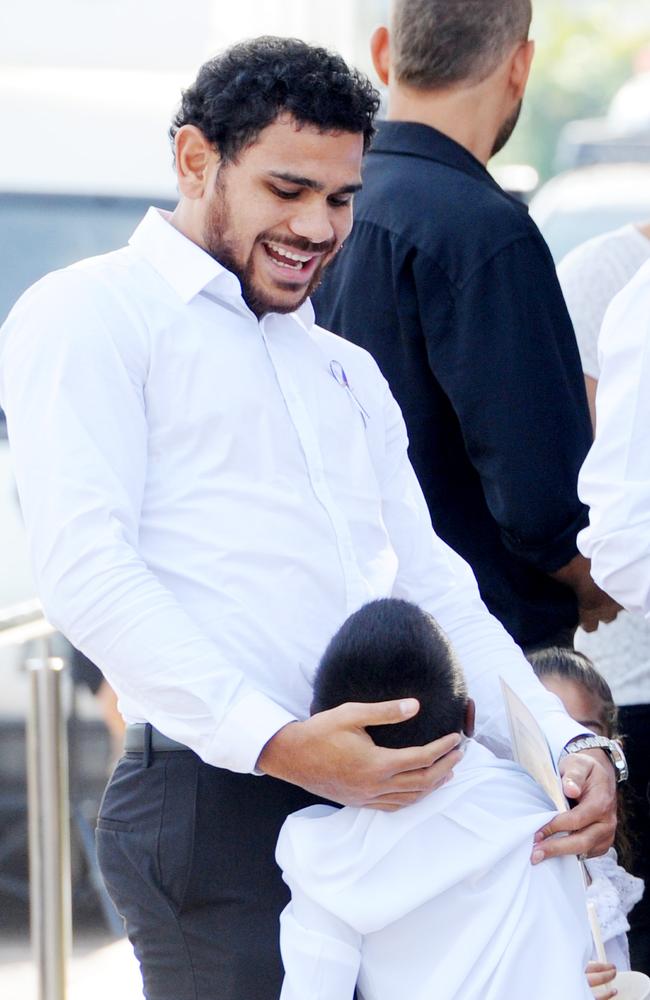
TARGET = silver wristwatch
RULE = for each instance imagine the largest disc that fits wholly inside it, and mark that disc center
(612, 748)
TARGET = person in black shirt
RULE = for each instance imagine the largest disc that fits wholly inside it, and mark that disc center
(446, 280)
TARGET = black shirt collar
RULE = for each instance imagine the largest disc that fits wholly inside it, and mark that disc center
(415, 139)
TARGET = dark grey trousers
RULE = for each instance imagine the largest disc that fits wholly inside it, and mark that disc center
(187, 852)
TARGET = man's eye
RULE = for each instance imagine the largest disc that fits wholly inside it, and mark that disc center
(339, 202)
(288, 195)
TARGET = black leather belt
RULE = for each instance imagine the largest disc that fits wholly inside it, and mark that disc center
(140, 737)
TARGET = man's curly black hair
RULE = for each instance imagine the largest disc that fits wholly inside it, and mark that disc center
(245, 88)
(392, 649)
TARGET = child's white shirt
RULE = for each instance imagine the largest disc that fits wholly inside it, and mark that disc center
(438, 900)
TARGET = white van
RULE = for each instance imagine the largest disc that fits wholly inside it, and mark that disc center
(86, 152)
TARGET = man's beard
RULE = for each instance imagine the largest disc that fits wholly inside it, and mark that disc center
(506, 130)
(218, 245)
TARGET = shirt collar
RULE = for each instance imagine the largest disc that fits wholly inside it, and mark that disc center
(181, 263)
(189, 269)
(415, 139)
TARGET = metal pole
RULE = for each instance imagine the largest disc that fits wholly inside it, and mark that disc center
(49, 828)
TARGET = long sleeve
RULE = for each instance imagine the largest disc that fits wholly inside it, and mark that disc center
(321, 954)
(507, 360)
(73, 388)
(433, 576)
(615, 478)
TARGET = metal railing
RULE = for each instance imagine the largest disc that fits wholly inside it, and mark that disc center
(47, 796)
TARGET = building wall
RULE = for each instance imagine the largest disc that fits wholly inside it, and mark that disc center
(166, 35)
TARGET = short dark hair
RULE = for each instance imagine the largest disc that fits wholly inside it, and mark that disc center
(438, 43)
(245, 88)
(392, 649)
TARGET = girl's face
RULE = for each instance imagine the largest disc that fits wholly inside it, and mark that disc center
(583, 706)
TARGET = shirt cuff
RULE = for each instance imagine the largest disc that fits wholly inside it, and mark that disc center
(550, 555)
(245, 731)
(559, 730)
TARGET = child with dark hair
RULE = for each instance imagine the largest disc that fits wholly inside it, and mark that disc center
(385, 649)
(439, 899)
(587, 697)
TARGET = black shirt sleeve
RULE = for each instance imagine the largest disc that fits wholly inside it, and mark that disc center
(502, 347)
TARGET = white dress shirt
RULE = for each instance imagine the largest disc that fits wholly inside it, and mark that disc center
(615, 478)
(590, 277)
(436, 900)
(209, 496)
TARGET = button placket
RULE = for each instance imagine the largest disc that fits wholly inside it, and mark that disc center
(355, 591)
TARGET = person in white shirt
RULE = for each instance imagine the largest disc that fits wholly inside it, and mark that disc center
(615, 482)
(211, 484)
(440, 899)
(587, 697)
(590, 276)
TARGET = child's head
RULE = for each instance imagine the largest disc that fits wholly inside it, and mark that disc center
(587, 698)
(582, 690)
(392, 649)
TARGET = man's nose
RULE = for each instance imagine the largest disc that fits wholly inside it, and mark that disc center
(313, 223)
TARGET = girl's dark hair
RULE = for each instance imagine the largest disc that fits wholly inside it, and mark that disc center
(245, 88)
(569, 664)
(392, 649)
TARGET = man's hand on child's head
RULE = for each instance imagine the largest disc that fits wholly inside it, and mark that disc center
(588, 778)
(599, 974)
(332, 755)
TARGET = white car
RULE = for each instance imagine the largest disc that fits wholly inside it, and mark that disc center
(576, 205)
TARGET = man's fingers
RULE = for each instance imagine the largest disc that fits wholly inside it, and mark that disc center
(590, 842)
(424, 779)
(586, 829)
(591, 824)
(391, 803)
(395, 799)
(347, 767)
(407, 787)
(422, 758)
(567, 822)
(583, 831)
(360, 715)
(575, 772)
(378, 713)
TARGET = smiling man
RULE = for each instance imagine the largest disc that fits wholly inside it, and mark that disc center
(277, 214)
(211, 484)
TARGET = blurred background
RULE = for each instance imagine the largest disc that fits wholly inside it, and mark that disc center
(87, 90)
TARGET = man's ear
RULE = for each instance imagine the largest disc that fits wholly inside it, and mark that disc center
(380, 52)
(194, 155)
(470, 717)
(522, 59)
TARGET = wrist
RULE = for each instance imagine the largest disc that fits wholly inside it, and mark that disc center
(277, 752)
(600, 747)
